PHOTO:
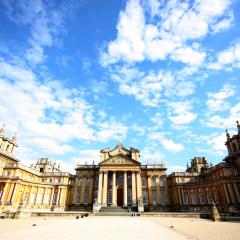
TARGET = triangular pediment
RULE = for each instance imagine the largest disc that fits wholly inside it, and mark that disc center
(119, 160)
(119, 150)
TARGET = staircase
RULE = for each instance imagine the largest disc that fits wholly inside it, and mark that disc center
(113, 211)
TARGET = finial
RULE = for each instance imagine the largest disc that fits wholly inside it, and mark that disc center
(120, 144)
(238, 126)
(227, 134)
(2, 130)
(14, 139)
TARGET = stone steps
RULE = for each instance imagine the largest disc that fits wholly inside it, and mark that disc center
(113, 211)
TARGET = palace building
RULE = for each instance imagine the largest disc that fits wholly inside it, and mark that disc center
(119, 180)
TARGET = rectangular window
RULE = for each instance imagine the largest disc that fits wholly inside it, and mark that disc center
(86, 197)
(145, 197)
(40, 198)
(154, 202)
(78, 197)
(25, 197)
(209, 198)
(201, 200)
(193, 198)
(47, 198)
(32, 198)
(109, 196)
(185, 197)
(162, 196)
(216, 197)
(95, 195)
(129, 196)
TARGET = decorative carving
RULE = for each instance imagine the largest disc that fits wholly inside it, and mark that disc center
(118, 160)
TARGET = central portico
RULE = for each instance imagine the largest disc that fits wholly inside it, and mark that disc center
(119, 177)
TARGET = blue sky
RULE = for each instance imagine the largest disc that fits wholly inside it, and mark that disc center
(160, 76)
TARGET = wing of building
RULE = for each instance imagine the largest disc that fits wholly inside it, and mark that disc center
(119, 180)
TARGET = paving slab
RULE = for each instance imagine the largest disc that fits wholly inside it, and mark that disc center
(91, 228)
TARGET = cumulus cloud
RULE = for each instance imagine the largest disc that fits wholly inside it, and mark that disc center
(227, 59)
(49, 116)
(172, 146)
(181, 113)
(43, 20)
(218, 101)
(165, 33)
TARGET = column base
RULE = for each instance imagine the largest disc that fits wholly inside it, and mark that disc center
(114, 205)
(125, 205)
(104, 205)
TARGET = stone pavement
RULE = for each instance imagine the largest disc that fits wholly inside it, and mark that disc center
(106, 228)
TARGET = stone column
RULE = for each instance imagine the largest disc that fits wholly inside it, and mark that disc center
(30, 192)
(90, 196)
(44, 195)
(36, 197)
(83, 190)
(100, 187)
(58, 196)
(232, 197)
(125, 189)
(182, 196)
(139, 187)
(157, 191)
(4, 192)
(75, 190)
(236, 191)
(149, 187)
(105, 188)
(10, 191)
(114, 192)
(179, 196)
(226, 193)
(51, 198)
(134, 199)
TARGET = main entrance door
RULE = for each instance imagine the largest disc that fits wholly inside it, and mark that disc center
(120, 197)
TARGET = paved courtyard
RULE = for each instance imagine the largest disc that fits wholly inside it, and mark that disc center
(107, 228)
(147, 228)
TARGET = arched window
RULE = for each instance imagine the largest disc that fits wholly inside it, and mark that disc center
(87, 181)
(161, 182)
(144, 181)
(95, 180)
(80, 181)
(153, 181)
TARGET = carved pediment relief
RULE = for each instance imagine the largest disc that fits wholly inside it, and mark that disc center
(118, 160)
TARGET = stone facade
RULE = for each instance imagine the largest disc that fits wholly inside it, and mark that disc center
(120, 180)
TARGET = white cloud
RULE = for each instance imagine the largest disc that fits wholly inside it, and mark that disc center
(151, 156)
(228, 121)
(49, 116)
(218, 101)
(215, 144)
(172, 146)
(88, 156)
(151, 87)
(224, 24)
(44, 22)
(180, 113)
(228, 58)
(166, 32)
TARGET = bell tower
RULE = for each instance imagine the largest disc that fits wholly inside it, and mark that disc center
(7, 146)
